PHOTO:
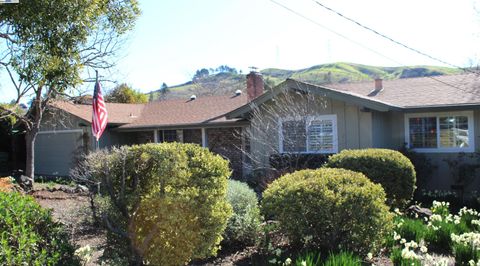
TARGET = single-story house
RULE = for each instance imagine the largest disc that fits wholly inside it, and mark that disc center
(436, 116)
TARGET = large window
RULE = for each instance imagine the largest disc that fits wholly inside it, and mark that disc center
(440, 132)
(312, 134)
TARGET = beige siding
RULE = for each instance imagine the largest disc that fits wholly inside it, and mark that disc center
(389, 132)
(354, 127)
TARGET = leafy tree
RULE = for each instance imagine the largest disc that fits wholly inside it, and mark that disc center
(48, 46)
(124, 94)
(163, 91)
(201, 73)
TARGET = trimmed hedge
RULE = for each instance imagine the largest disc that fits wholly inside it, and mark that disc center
(389, 168)
(169, 198)
(244, 225)
(330, 209)
(29, 236)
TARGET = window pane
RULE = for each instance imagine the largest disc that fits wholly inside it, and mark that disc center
(294, 136)
(169, 135)
(320, 135)
(454, 131)
(423, 132)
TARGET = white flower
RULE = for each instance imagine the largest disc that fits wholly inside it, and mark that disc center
(288, 261)
(403, 241)
(423, 249)
(370, 256)
(304, 263)
(396, 236)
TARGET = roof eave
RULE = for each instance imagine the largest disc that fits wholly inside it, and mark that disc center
(235, 123)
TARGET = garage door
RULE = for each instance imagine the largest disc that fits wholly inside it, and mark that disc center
(55, 152)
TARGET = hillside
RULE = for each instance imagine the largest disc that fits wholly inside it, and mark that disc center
(224, 83)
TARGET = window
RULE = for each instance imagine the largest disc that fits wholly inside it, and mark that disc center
(440, 132)
(313, 134)
(167, 135)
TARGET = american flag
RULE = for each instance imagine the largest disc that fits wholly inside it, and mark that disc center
(99, 118)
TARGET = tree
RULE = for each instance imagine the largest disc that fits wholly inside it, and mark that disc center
(163, 91)
(48, 47)
(124, 94)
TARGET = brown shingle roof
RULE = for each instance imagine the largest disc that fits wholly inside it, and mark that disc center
(448, 90)
(204, 109)
(118, 113)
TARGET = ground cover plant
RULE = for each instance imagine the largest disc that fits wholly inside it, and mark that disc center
(414, 240)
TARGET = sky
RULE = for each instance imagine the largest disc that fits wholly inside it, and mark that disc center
(174, 38)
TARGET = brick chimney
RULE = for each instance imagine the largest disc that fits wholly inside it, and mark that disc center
(254, 85)
(378, 84)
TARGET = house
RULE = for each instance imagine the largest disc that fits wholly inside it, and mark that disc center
(436, 116)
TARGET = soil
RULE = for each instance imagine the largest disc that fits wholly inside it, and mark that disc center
(73, 210)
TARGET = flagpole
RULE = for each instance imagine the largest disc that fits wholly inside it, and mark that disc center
(97, 145)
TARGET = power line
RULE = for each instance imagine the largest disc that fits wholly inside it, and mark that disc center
(391, 39)
(366, 47)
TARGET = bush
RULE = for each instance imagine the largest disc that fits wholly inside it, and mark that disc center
(167, 200)
(29, 236)
(389, 168)
(244, 225)
(330, 209)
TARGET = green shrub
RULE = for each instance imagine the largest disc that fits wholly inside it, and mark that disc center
(332, 209)
(29, 236)
(389, 168)
(244, 226)
(168, 200)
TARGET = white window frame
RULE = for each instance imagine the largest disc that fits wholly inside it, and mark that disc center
(333, 118)
(437, 115)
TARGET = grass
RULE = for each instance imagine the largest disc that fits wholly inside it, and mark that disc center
(320, 74)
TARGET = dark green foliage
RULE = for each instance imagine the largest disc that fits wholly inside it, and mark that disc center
(290, 162)
(465, 253)
(168, 200)
(311, 258)
(29, 236)
(389, 168)
(411, 229)
(343, 259)
(125, 94)
(244, 225)
(329, 209)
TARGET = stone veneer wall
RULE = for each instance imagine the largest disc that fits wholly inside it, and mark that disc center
(192, 136)
(227, 142)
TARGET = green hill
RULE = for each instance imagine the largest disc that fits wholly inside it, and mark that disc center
(225, 83)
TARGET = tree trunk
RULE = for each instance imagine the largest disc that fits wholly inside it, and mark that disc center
(30, 160)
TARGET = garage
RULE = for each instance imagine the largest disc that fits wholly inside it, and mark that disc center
(56, 151)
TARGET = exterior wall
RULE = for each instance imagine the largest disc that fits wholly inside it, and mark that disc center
(192, 136)
(389, 132)
(354, 127)
(227, 142)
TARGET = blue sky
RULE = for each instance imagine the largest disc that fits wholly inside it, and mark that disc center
(173, 38)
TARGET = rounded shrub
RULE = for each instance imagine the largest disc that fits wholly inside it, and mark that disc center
(329, 209)
(166, 202)
(244, 225)
(29, 236)
(389, 168)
